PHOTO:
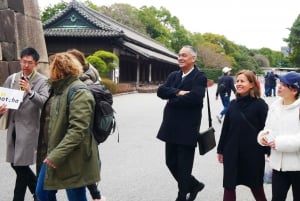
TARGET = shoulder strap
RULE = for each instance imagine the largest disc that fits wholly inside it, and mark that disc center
(208, 109)
(248, 122)
(13, 80)
(71, 91)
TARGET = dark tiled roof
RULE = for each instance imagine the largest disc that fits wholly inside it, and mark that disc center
(104, 26)
(96, 28)
(80, 33)
(149, 53)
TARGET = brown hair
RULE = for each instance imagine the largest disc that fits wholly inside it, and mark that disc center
(64, 64)
(80, 56)
(251, 77)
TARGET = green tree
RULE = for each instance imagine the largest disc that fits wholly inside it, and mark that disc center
(262, 60)
(52, 10)
(160, 25)
(104, 61)
(124, 14)
(91, 5)
(155, 24)
(294, 42)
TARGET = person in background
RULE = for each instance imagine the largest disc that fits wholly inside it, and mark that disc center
(23, 123)
(90, 73)
(90, 76)
(242, 157)
(267, 85)
(282, 134)
(271, 80)
(224, 88)
(184, 91)
(71, 159)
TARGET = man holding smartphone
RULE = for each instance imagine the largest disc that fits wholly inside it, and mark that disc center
(24, 123)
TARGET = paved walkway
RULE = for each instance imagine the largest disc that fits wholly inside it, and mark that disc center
(134, 169)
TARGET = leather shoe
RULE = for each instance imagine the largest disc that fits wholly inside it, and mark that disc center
(195, 190)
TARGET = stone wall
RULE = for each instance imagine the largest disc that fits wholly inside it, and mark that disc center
(20, 27)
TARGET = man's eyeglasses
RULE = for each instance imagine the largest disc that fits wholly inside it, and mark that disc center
(29, 63)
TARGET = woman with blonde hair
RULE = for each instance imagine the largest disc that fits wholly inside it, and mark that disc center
(242, 157)
(70, 149)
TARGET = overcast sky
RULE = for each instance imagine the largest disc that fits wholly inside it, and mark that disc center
(254, 24)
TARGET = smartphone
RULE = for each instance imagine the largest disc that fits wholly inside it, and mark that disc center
(269, 137)
(23, 78)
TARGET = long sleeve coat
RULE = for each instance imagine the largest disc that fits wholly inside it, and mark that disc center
(283, 123)
(25, 121)
(243, 157)
(71, 145)
(182, 114)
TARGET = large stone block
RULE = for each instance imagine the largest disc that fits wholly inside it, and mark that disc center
(16, 5)
(32, 9)
(3, 4)
(21, 35)
(8, 51)
(13, 67)
(0, 52)
(3, 71)
(7, 32)
(44, 69)
(30, 33)
(20, 27)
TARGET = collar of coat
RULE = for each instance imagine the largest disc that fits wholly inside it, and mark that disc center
(58, 86)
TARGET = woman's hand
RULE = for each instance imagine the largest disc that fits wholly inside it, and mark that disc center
(48, 162)
(220, 158)
(3, 108)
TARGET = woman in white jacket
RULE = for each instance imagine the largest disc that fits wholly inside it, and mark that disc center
(282, 134)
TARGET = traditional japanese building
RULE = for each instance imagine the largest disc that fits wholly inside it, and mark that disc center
(141, 59)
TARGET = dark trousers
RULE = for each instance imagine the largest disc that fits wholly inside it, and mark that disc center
(94, 191)
(179, 160)
(281, 182)
(258, 193)
(25, 177)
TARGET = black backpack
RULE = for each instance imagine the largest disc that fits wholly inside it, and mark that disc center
(104, 115)
(222, 88)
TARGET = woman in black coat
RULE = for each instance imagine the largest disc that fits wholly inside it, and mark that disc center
(242, 157)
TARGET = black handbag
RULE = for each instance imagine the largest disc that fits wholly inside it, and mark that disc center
(206, 139)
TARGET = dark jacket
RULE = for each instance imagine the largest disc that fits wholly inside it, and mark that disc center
(243, 157)
(182, 114)
(229, 85)
(271, 79)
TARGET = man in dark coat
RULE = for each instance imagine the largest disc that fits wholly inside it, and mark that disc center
(271, 79)
(184, 90)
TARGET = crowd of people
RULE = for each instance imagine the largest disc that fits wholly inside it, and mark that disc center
(56, 135)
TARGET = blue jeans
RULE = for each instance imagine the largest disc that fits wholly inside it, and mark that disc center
(225, 101)
(74, 194)
(273, 90)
